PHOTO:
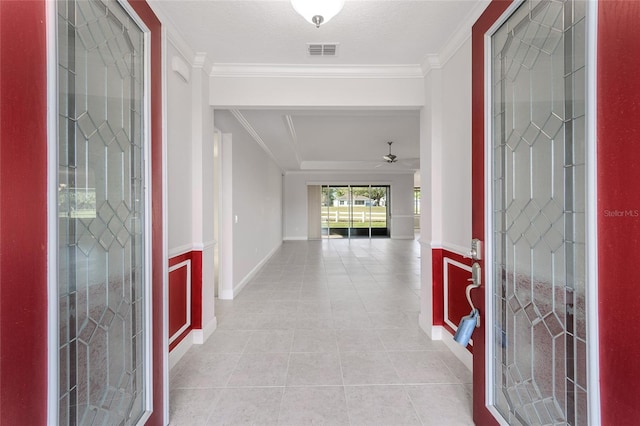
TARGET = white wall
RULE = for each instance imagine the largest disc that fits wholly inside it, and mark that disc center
(254, 216)
(179, 136)
(295, 198)
(445, 150)
(386, 91)
(456, 151)
(190, 169)
(203, 235)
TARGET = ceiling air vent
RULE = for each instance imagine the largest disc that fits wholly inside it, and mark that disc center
(328, 49)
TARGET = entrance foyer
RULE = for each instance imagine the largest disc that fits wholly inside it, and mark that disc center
(325, 333)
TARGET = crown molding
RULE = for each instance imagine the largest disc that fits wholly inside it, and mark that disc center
(459, 37)
(354, 166)
(293, 137)
(199, 59)
(254, 134)
(306, 71)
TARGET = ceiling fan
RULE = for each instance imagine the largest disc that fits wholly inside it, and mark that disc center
(390, 158)
(405, 163)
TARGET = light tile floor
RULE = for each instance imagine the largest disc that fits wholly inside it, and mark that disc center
(326, 333)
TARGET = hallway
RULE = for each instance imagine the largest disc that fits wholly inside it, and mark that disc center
(326, 333)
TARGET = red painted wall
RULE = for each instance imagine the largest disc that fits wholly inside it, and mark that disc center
(619, 209)
(177, 306)
(455, 300)
(437, 287)
(23, 213)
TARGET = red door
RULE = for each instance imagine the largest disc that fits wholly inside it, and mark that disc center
(535, 363)
(24, 255)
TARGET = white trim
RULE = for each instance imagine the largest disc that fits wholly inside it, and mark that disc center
(180, 250)
(165, 233)
(207, 245)
(404, 237)
(180, 350)
(295, 238)
(452, 248)
(180, 66)
(488, 227)
(187, 248)
(445, 280)
(255, 136)
(187, 322)
(293, 137)
(53, 332)
(591, 290)
(230, 294)
(433, 331)
(459, 37)
(238, 287)
(201, 335)
(318, 71)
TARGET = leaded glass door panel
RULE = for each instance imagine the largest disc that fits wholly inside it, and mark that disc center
(537, 217)
(102, 214)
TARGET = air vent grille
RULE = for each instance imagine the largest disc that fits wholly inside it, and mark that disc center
(327, 49)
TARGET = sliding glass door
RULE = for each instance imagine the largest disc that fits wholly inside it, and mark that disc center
(355, 211)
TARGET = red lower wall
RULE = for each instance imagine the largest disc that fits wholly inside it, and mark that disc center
(618, 209)
(23, 213)
(451, 272)
(178, 283)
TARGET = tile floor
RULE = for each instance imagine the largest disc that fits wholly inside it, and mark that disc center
(326, 333)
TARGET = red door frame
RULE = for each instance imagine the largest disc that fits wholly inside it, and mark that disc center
(157, 242)
(23, 212)
(617, 211)
(481, 415)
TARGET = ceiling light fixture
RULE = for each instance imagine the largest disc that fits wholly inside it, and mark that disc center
(318, 12)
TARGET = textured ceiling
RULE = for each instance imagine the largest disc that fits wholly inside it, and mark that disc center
(270, 32)
(368, 32)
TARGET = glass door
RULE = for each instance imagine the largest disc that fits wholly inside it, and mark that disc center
(380, 211)
(536, 246)
(355, 211)
(103, 267)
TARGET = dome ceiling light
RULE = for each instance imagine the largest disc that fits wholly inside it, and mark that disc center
(318, 12)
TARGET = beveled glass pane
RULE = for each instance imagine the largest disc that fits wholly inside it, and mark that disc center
(538, 214)
(100, 209)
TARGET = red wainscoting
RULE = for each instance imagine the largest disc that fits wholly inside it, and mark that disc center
(451, 272)
(185, 295)
(618, 209)
(23, 213)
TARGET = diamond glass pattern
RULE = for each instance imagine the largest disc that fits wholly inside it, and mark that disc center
(100, 211)
(538, 178)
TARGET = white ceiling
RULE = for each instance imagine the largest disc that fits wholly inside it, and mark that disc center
(332, 140)
(368, 32)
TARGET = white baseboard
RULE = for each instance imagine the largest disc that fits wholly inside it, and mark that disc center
(295, 238)
(403, 237)
(434, 332)
(225, 294)
(180, 350)
(238, 288)
(201, 336)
